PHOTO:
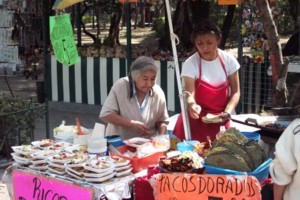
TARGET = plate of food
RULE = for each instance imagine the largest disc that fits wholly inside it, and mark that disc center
(43, 143)
(41, 167)
(37, 162)
(120, 162)
(24, 149)
(77, 149)
(55, 170)
(117, 169)
(60, 145)
(76, 170)
(62, 157)
(90, 174)
(78, 160)
(76, 176)
(136, 141)
(98, 166)
(124, 172)
(21, 161)
(25, 158)
(43, 154)
(101, 179)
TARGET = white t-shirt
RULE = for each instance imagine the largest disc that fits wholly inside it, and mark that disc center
(212, 71)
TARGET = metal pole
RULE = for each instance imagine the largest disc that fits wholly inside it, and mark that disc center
(45, 47)
(239, 108)
(128, 34)
(180, 84)
(78, 24)
(7, 83)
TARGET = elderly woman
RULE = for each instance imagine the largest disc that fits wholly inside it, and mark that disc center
(136, 105)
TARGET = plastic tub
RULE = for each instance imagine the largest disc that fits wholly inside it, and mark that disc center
(261, 172)
(115, 140)
(252, 135)
(187, 145)
(139, 164)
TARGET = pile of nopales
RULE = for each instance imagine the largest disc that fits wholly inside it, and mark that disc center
(234, 151)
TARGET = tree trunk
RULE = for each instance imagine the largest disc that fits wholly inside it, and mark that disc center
(142, 13)
(182, 24)
(279, 69)
(200, 10)
(114, 24)
(227, 24)
(165, 41)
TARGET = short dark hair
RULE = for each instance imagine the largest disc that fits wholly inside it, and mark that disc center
(205, 26)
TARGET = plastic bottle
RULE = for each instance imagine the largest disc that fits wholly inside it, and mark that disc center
(219, 134)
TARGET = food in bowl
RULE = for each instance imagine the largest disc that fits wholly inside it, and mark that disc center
(186, 162)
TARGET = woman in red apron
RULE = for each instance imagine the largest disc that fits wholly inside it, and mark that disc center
(207, 95)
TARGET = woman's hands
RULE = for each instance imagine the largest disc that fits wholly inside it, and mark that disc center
(194, 110)
(140, 127)
(224, 116)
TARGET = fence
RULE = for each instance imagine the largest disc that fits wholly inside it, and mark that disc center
(256, 87)
(90, 80)
(17, 120)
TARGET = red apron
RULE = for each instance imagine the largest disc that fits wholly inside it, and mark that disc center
(212, 100)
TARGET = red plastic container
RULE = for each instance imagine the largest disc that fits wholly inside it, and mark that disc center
(138, 164)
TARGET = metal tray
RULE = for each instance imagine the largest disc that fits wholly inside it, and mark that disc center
(261, 122)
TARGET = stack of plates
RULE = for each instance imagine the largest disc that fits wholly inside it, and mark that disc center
(99, 170)
(122, 166)
(22, 154)
(75, 166)
(56, 163)
(39, 159)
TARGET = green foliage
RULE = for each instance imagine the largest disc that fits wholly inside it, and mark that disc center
(159, 25)
(88, 18)
(283, 18)
(17, 120)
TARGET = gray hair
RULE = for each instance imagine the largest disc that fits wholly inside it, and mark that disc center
(139, 66)
(142, 64)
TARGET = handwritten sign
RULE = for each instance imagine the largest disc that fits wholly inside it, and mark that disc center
(207, 187)
(36, 187)
(62, 40)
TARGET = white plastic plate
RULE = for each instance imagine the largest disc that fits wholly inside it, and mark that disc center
(125, 172)
(117, 169)
(102, 179)
(98, 175)
(78, 173)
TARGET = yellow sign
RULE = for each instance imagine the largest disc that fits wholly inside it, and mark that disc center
(194, 186)
(229, 2)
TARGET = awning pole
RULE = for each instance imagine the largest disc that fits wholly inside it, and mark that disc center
(180, 84)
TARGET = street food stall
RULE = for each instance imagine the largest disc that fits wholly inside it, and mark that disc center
(138, 168)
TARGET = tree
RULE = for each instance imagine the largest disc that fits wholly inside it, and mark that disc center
(279, 68)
